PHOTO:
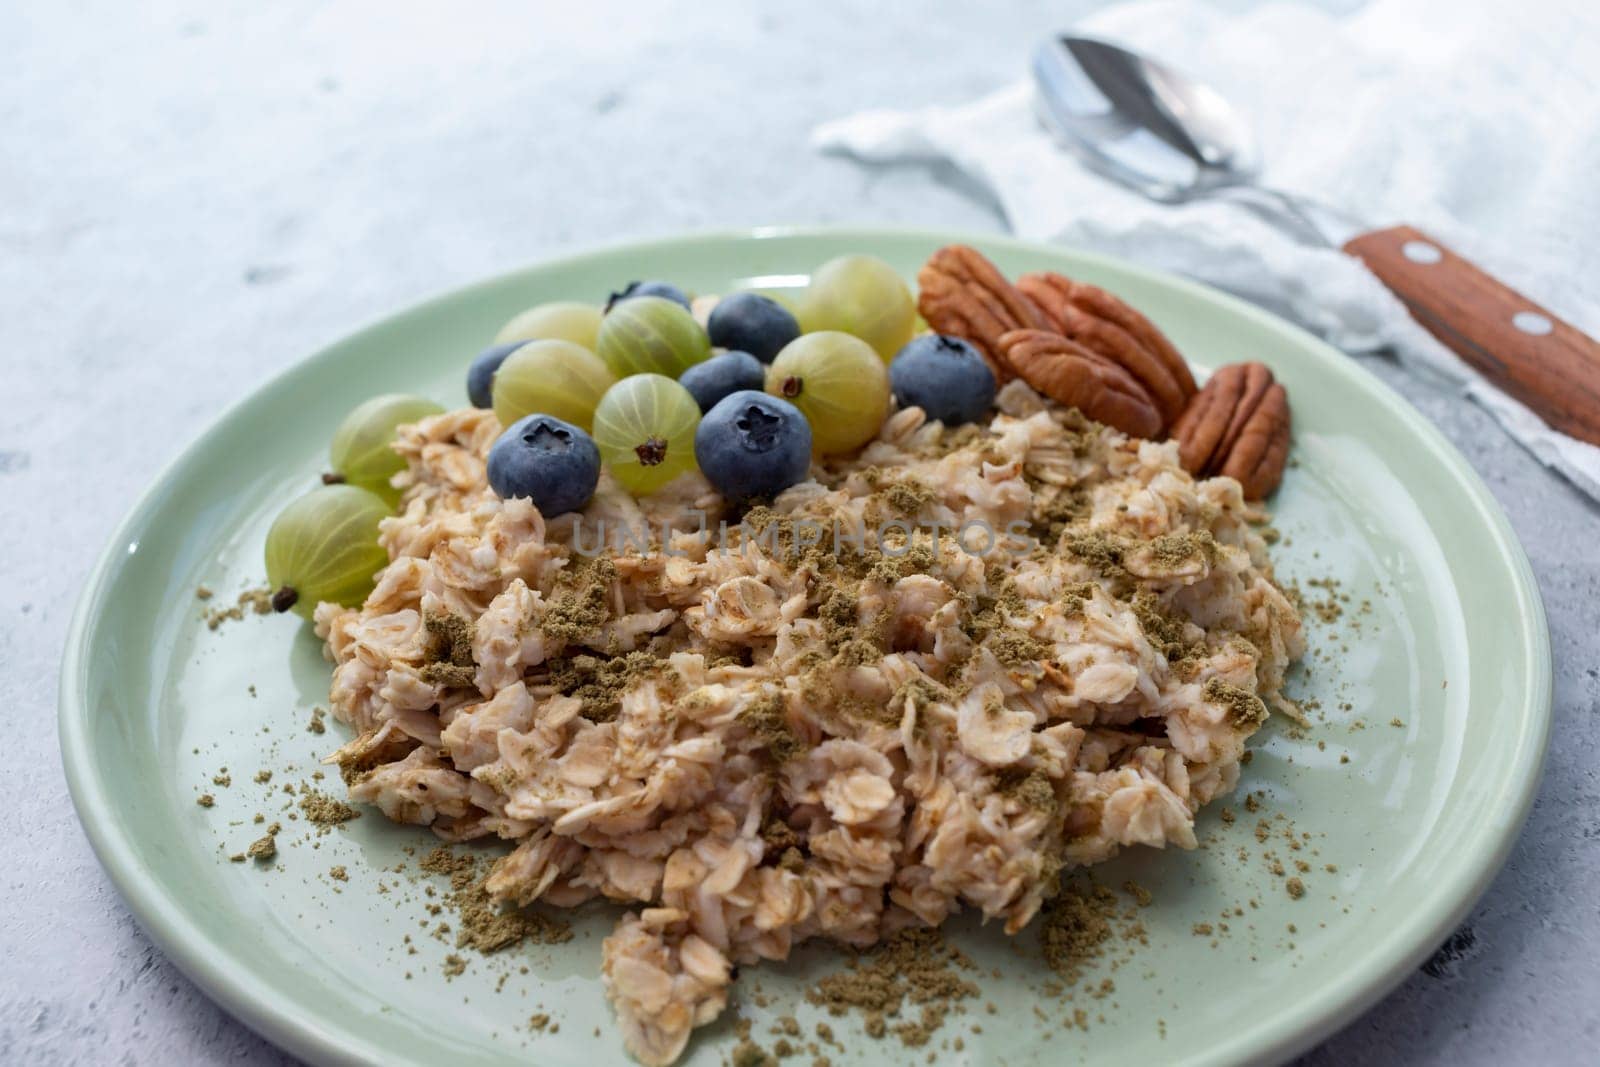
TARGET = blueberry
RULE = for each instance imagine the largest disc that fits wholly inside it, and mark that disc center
(633, 289)
(552, 463)
(752, 323)
(718, 376)
(480, 376)
(752, 444)
(944, 376)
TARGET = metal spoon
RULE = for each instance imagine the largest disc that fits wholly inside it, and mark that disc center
(1173, 139)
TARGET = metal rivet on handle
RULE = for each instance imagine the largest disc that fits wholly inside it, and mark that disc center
(1532, 322)
(1421, 252)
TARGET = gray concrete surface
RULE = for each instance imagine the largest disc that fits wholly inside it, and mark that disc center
(192, 197)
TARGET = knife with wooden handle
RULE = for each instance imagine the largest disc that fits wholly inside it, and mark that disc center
(1536, 357)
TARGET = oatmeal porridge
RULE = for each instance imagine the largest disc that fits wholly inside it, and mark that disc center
(930, 677)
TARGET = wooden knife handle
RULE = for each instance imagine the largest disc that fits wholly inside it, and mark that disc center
(1548, 364)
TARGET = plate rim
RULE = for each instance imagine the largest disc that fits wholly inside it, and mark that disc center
(255, 1003)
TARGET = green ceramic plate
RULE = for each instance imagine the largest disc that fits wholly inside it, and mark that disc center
(1435, 704)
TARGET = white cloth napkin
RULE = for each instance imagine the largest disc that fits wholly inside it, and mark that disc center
(1479, 124)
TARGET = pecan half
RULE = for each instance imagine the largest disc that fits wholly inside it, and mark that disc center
(1107, 326)
(1237, 426)
(962, 294)
(1070, 374)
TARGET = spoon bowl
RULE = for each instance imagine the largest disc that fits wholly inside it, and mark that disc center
(1140, 122)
